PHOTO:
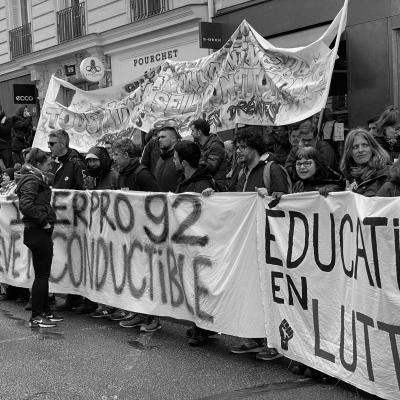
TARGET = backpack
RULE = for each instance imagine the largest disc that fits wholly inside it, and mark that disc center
(267, 174)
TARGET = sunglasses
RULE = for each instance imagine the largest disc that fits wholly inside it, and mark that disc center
(51, 144)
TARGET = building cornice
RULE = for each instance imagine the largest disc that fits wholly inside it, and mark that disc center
(175, 17)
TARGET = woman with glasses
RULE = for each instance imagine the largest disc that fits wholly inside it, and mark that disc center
(364, 163)
(313, 174)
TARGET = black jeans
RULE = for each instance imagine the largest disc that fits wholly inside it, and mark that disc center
(40, 242)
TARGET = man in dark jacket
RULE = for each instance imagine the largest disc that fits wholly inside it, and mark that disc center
(165, 172)
(21, 135)
(194, 179)
(68, 164)
(131, 174)
(5, 141)
(212, 150)
(99, 174)
(251, 155)
(67, 168)
(186, 159)
(308, 138)
(135, 176)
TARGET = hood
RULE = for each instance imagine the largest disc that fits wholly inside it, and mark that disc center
(133, 164)
(28, 171)
(105, 161)
(200, 175)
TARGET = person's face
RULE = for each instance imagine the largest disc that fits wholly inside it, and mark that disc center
(361, 150)
(121, 159)
(93, 163)
(244, 153)
(56, 146)
(307, 139)
(6, 177)
(45, 166)
(282, 134)
(373, 129)
(108, 147)
(195, 133)
(305, 168)
(166, 139)
(294, 137)
(177, 162)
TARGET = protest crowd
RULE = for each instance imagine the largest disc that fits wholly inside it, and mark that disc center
(272, 161)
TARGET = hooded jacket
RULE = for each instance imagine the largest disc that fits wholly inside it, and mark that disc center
(214, 158)
(104, 177)
(68, 171)
(135, 176)
(22, 131)
(199, 181)
(34, 195)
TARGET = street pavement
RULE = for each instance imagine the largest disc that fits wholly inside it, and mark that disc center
(85, 358)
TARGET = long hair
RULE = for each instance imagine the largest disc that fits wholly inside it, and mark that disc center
(36, 156)
(323, 171)
(390, 117)
(379, 158)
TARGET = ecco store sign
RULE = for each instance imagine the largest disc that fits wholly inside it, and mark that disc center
(92, 69)
(24, 94)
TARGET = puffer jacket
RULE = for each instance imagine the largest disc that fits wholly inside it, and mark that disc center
(34, 196)
(213, 158)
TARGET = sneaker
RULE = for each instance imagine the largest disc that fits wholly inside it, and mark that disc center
(152, 326)
(247, 347)
(66, 307)
(268, 354)
(41, 322)
(100, 313)
(121, 315)
(53, 317)
(136, 321)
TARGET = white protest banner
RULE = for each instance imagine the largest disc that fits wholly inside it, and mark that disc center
(248, 81)
(331, 286)
(161, 254)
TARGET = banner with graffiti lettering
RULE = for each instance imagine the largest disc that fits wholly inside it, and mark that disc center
(163, 254)
(331, 286)
(247, 81)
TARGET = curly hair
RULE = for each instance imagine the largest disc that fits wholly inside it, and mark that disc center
(127, 146)
(379, 160)
(252, 138)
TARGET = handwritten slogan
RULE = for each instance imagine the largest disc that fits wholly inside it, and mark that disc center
(319, 277)
(247, 81)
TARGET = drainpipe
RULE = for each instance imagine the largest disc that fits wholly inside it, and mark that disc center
(210, 10)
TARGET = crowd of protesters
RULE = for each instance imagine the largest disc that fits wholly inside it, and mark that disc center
(270, 161)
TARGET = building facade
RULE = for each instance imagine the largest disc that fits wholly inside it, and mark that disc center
(39, 38)
(366, 76)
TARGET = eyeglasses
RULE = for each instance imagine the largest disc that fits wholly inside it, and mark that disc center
(307, 164)
(241, 147)
(51, 144)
